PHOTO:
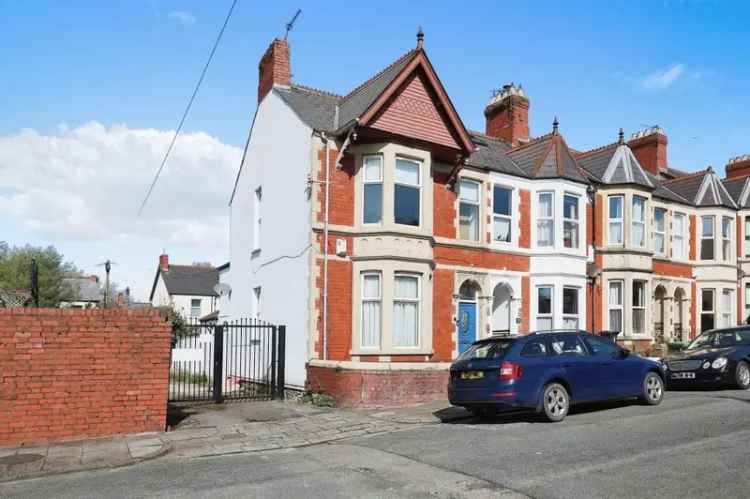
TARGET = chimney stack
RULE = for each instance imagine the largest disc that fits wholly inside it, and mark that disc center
(650, 148)
(274, 68)
(507, 115)
(738, 167)
(164, 262)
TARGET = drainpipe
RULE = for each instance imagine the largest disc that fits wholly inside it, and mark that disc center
(325, 230)
(591, 191)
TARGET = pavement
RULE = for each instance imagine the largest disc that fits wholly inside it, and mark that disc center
(693, 445)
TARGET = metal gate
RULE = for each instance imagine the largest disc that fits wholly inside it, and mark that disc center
(238, 360)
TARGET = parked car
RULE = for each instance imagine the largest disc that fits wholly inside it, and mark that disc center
(548, 372)
(720, 357)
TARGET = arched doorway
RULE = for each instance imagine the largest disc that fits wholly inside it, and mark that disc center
(502, 297)
(467, 315)
(660, 294)
(678, 333)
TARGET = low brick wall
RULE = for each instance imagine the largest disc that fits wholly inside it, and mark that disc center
(70, 374)
(378, 388)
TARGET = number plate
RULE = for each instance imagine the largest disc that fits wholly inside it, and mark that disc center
(683, 375)
(472, 375)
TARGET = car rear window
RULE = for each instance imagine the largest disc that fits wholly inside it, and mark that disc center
(487, 350)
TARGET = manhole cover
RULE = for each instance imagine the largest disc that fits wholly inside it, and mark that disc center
(20, 459)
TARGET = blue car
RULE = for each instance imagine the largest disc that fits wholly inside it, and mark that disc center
(548, 372)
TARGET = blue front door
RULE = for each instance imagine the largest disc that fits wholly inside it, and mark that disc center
(467, 325)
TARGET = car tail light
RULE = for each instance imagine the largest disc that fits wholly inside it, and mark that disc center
(510, 371)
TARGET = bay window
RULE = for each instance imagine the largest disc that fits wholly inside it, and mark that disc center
(570, 221)
(544, 308)
(371, 309)
(747, 236)
(406, 294)
(726, 238)
(707, 238)
(615, 305)
(545, 225)
(726, 308)
(707, 310)
(747, 304)
(406, 203)
(570, 307)
(639, 222)
(678, 235)
(614, 235)
(372, 189)
(502, 214)
(639, 307)
(468, 211)
(660, 226)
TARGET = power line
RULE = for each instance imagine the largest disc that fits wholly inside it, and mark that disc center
(187, 109)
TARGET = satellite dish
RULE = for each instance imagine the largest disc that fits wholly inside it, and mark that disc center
(223, 289)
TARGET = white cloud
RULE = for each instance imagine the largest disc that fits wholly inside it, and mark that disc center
(183, 17)
(663, 79)
(86, 183)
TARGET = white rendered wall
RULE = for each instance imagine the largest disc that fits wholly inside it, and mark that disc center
(277, 160)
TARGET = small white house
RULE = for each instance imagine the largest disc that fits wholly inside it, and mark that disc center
(189, 289)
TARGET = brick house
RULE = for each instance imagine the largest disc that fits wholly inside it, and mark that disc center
(388, 237)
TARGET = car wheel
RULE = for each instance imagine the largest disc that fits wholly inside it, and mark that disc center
(653, 389)
(742, 375)
(555, 402)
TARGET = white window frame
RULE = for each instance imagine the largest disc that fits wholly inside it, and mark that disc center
(497, 216)
(678, 238)
(712, 237)
(576, 222)
(747, 236)
(256, 302)
(711, 311)
(635, 222)
(615, 221)
(370, 299)
(417, 300)
(619, 307)
(577, 315)
(476, 204)
(639, 307)
(726, 238)
(551, 314)
(365, 182)
(418, 186)
(662, 232)
(195, 312)
(257, 219)
(550, 218)
(726, 313)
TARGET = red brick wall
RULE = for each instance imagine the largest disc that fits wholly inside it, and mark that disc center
(444, 209)
(525, 218)
(341, 207)
(651, 152)
(509, 121)
(442, 315)
(693, 236)
(480, 258)
(599, 232)
(375, 388)
(70, 374)
(672, 269)
(274, 68)
(525, 305)
(339, 309)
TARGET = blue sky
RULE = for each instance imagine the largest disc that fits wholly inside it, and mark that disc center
(598, 66)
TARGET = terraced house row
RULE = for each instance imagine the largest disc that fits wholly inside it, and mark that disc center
(388, 237)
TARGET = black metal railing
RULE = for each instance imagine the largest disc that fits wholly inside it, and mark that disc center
(241, 359)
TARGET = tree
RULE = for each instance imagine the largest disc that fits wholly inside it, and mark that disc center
(15, 272)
